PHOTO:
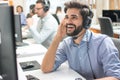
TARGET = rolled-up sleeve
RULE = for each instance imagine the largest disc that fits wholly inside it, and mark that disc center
(60, 56)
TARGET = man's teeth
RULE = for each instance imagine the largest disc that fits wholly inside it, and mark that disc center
(70, 26)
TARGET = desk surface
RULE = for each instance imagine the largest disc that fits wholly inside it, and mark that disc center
(31, 49)
(63, 73)
(36, 52)
(116, 29)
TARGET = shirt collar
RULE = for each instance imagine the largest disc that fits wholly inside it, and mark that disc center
(46, 17)
(87, 36)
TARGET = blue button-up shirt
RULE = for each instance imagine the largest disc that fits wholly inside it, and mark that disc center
(23, 19)
(95, 57)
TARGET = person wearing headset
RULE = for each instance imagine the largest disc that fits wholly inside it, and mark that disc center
(94, 56)
(46, 26)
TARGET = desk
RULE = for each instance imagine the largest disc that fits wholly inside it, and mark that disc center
(21, 74)
(30, 50)
(63, 73)
(116, 30)
(36, 52)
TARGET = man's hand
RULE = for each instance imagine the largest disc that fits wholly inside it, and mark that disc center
(62, 30)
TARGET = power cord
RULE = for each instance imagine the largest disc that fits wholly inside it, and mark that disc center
(89, 57)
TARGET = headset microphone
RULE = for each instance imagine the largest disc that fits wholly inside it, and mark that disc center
(75, 37)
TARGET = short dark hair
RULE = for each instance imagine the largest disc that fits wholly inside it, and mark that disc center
(43, 2)
(58, 9)
(32, 8)
(84, 9)
(20, 7)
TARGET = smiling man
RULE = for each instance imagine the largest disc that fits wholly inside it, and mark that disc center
(94, 56)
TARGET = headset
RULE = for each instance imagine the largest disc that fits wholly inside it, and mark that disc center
(87, 17)
(93, 73)
(46, 4)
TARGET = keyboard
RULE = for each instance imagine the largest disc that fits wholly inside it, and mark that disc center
(116, 24)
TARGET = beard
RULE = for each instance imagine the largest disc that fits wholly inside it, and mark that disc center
(75, 32)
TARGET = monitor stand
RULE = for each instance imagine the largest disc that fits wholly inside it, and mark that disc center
(20, 44)
(1, 78)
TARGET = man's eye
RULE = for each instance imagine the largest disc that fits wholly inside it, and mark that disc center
(66, 17)
(74, 18)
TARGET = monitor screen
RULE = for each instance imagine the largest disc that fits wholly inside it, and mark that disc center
(8, 62)
(113, 14)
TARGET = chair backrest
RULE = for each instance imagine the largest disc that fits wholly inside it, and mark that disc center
(116, 41)
(106, 26)
(56, 17)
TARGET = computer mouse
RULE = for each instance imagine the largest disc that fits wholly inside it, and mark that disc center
(28, 65)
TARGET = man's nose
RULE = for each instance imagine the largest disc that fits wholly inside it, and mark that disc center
(69, 20)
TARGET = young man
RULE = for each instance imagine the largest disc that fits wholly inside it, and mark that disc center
(94, 56)
(47, 25)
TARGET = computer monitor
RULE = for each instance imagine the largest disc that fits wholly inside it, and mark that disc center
(8, 62)
(18, 30)
(113, 14)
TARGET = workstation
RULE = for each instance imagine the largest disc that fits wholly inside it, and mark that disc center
(26, 56)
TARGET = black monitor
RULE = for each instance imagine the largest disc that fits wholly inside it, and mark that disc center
(8, 62)
(113, 14)
(18, 30)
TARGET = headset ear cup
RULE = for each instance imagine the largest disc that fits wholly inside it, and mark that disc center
(46, 5)
(46, 8)
(87, 22)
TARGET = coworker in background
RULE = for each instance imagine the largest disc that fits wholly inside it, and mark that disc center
(94, 56)
(47, 26)
(31, 11)
(19, 10)
(59, 13)
(33, 16)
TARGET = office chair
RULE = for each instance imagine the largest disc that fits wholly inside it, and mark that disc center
(56, 17)
(106, 26)
(116, 41)
(116, 16)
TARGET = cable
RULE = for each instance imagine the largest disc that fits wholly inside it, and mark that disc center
(89, 57)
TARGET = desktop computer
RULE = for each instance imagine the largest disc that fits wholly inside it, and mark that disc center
(18, 31)
(8, 62)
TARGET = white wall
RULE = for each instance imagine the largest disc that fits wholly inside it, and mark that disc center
(27, 3)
